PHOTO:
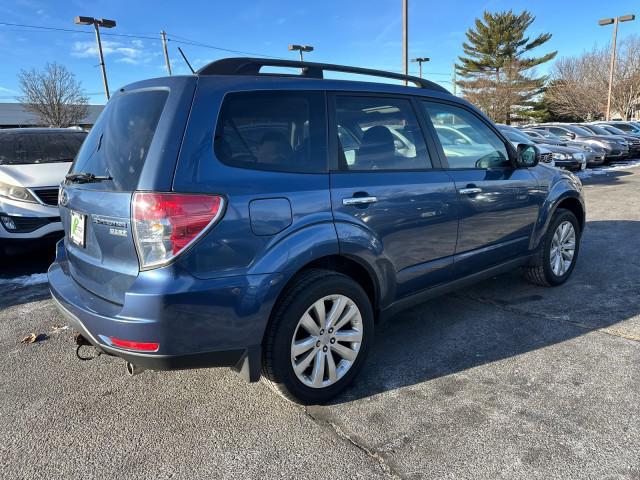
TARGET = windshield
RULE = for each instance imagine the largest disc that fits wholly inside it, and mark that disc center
(515, 136)
(119, 141)
(583, 132)
(548, 135)
(625, 127)
(598, 130)
(614, 130)
(47, 147)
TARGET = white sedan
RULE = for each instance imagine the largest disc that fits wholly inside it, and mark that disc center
(33, 163)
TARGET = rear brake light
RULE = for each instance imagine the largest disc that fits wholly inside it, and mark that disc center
(141, 346)
(164, 224)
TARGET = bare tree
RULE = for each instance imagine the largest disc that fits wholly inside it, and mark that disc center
(54, 95)
(579, 85)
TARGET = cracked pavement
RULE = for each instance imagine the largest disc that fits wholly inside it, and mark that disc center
(500, 380)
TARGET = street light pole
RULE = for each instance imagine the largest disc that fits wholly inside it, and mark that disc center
(97, 23)
(405, 38)
(420, 60)
(102, 66)
(612, 65)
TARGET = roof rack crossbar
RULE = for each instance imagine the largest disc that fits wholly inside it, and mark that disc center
(252, 66)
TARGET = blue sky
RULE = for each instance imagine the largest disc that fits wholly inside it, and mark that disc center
(355, 32)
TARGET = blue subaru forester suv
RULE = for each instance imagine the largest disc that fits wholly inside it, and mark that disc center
(268, 221)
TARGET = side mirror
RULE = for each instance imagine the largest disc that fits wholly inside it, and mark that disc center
(528, 155)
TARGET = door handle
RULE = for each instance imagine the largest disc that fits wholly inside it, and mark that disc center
(359, 200)
(470, 191)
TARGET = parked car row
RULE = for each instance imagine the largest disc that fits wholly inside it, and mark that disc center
(599, 142)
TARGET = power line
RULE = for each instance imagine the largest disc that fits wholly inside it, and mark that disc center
(173, 38)
(176, 38)
(76, 30)
(186, 41)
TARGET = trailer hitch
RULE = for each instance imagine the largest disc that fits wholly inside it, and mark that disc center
(81, 342)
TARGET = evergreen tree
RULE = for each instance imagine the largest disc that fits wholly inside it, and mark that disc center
(497, 71)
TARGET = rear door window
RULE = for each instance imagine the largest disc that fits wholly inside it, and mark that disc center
(119, 141)
(278, 131)
(379, 133)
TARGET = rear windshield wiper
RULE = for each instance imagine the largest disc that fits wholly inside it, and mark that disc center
(84, 177)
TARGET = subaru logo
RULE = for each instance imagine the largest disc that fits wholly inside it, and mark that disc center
(63, 197)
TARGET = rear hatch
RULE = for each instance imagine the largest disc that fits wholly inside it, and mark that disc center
(133, 146)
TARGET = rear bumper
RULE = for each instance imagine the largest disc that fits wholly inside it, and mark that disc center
(197, 323)
(224, 358)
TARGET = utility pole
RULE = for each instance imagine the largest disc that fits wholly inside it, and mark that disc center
(163, 35)
(97, 23)
(612, 65)
(453, 80)
(420, 61)
(405, 38)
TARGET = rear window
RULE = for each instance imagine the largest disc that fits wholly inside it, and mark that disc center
(119, 141)
(24, 148)
(279, 131)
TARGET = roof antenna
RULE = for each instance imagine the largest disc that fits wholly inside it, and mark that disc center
(187, 61)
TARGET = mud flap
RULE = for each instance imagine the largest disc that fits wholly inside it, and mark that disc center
(249, 366)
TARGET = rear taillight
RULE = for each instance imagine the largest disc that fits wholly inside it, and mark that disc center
(164, 224)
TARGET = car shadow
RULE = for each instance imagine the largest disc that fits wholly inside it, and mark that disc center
(22, 275)
(505, 316)
(605, 177)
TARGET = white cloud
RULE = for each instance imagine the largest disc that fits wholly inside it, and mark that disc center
(7, 90)
(132, 53)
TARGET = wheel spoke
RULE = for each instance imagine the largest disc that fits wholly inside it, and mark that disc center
(336, 310)
(344, 352)
(317, 374)
(304, 363)
(318, 307)
(310, 325)
(348, 336)
(346, 318)
(559, 265)
(304, 345)
(331, 367)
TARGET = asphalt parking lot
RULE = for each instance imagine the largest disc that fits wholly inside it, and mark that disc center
(501, 380)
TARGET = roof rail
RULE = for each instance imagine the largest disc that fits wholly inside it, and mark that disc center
(252, 66)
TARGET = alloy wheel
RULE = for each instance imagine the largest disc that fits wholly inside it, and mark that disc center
(563, 247)
(326, 341)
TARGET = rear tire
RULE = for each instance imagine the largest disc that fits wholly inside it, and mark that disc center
(557, 254)
(310, 355)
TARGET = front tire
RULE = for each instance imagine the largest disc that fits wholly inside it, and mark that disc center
(318, 338)
(557, 255)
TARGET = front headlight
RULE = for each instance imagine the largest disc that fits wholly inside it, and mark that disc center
(15, 192)
(578, 156)
(559, 156)
(587, 148)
